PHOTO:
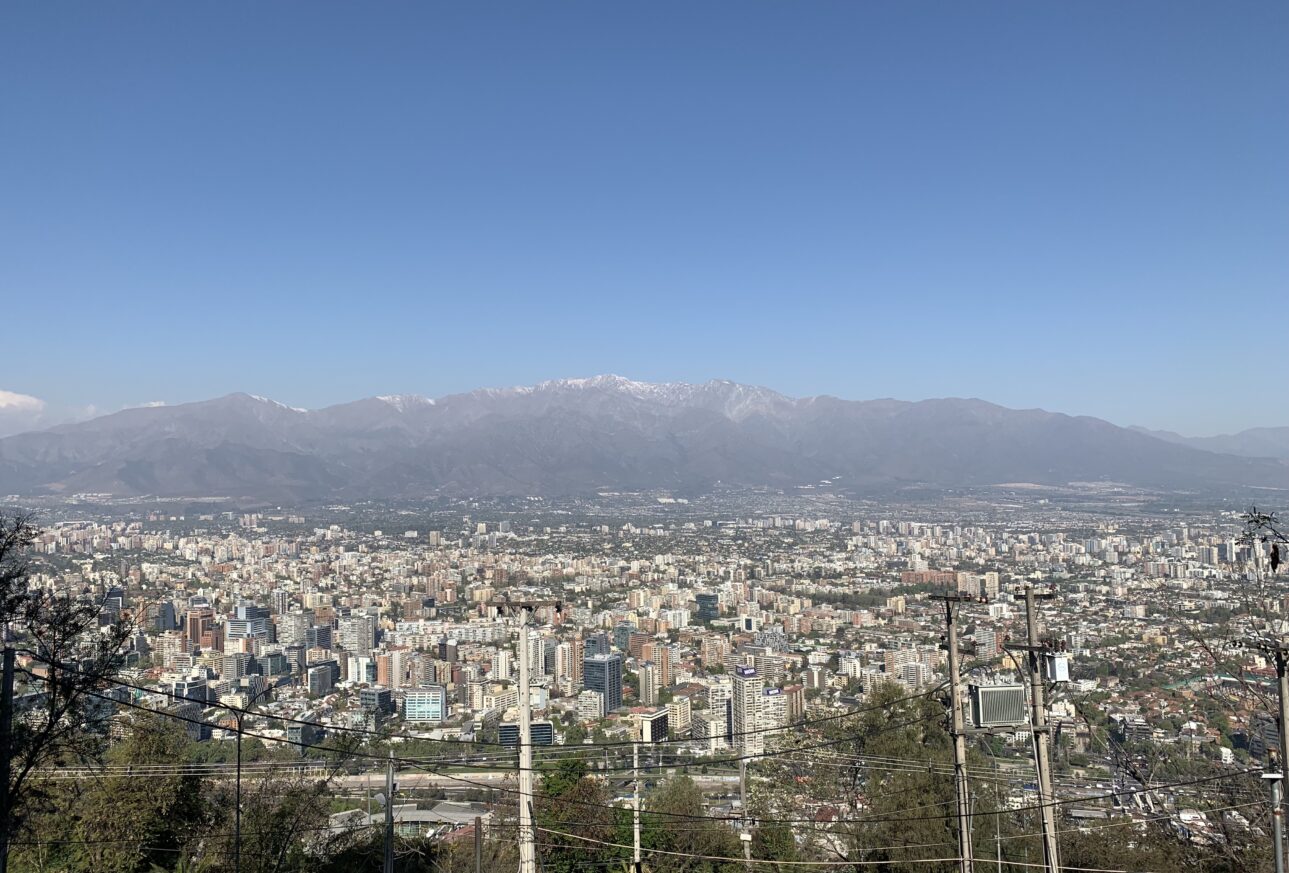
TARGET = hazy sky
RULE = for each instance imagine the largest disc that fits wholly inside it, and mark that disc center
(1080, 206)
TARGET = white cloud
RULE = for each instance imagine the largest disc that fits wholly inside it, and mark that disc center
(20, 412)
(12, 401)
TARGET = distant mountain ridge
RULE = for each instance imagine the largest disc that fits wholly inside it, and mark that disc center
(577, 436)
(1257, 442)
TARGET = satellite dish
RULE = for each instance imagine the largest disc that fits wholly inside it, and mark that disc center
(380, 799)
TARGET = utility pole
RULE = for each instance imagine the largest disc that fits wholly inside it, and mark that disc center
(1042, 735)
(6, 758)
(527, 849)
(389, 815)
(745, 836)
(1277, 819)
(958, 732)
(635, 809)
(1279, 654)
(237, 802)
(478, 844)
(527, 834)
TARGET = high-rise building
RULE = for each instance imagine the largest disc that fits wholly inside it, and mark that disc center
(650, 682)
(164, 618)
(357, 633)
(236, 665)
(501, 666)
(391, 668)
(603, 673)
(321, 636)
(709, 606)
(279, 600)
(319, 679)
(622, 632)
(711, 727)
(198, 622)
(720, 700)
(376, 699)
(426, 704)
(249, 621)
(746, 711)
(192, 688)
(653, 725)
(293, 628)
(679, 714)
(590, 705)
(542, 732)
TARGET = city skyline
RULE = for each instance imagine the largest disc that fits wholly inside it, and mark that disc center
(1038, 206)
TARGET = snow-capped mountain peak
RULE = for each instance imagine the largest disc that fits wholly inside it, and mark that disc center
(404, 402)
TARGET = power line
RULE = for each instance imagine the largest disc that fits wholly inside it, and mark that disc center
(746, 860)
(503, 789)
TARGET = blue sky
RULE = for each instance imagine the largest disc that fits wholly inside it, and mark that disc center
(1078, 206)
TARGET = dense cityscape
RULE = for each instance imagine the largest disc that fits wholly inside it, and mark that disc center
(709, 637)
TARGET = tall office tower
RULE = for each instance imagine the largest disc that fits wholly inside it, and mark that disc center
(622, 632)
(357, 633)
(650, 682)
(709, 606)
(197, 622)
(746, 723)
(249, 621)
(598, 644)
(165, 618)
(320, 636)
(603, 673)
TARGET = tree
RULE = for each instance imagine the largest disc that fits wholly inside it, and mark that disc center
(127, 823)
(68, 660)
(676, 821)
(571, 802)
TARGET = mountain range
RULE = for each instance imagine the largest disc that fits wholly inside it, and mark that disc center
(1257, 442)
(578, 436)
